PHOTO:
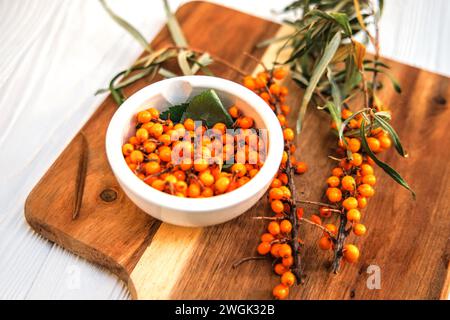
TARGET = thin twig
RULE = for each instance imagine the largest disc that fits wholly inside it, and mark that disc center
(239, 262)
(322, 204)
(332, 236)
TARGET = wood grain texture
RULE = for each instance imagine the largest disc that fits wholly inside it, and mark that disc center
(55, 54)
(117, 234)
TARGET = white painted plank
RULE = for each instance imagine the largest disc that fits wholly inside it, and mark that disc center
(53, 57)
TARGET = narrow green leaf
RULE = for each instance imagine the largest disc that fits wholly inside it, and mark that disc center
(174, 27)
(203, 61)
(386, 168)
(335, 93)
(207, 107)
(166, 73)
(270, 41)
(183, 63)
(127, 26)
(394, 81)
(319, 69)
(387, 127)
(345, 124)
(335, 114)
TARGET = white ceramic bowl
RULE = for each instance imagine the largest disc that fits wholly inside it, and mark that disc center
(188, 211)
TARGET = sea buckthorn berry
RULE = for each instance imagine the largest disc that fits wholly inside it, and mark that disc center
(283, 178)
(351, 253)
(301, 167)
(265, 96)
(348, 183)
(144, 116)
(165, 139)
(331, 228)
(362, 202)
(285, 109)
(325, 212)
(152, 167)
(136, 156)
(253, 172)
(127, 149)
(264, 248)
(385, 142)
(280, 269)
(276, 183)
(249, 83)
(276, 194)
(267, 237)
(369, 179)
(359, 229)
(288, 279)
(280, 292)
(325, 243)
(370, 161)
(286, 226)
(288, 134)
(350, 203)
(194, 190)
(189, 124)
(274, 228)
(334, 194)
(181, 186)
(279, 73)
(283, 92)
(277, 206)
(154, 112)
(374, 144)
(354, 145)
(158, 184)
(245, 122)
(221, 185)
(180, 175)
(239, 169)
(285, 251)
(221, 127)
(333, 181)
(207, 178)
(357, 159)
(170, 179)
(149, 146)
(274, 251)
(316, 219)
(274, 89)
(153, 157)
(234, 112)
(284, 158)
(133, 140)
(353, 215)
(366, 190)
(338, 172)
(141, 134)
(288, 261)
(165, 153)
(345, 114)
(366, 169)
(156, 130)
(200, 164)
(207, 192)
(300, 213)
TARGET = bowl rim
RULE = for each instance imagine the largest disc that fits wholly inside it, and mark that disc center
(122, 116)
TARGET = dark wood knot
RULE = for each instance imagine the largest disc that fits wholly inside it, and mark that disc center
(108, 195)
(440, 100)
(352, 294)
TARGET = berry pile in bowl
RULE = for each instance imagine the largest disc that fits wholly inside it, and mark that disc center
(195, 150)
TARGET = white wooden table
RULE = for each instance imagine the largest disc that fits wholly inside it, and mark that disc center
(53, 57)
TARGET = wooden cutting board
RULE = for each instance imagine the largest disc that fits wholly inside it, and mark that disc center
(408, 240)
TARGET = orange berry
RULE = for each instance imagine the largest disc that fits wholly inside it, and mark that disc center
(354, 145)
(154, 157)
(374, 144)
(334, 194)
(144, 116)
(207, 192)
(325, 243)
(239, 169)
(165, 139)
(345, 114)
(156, 130)
(194, 190)
(249, 83)
(357, 159)
(285, 109)
(127, 149)
(366, 190)
(286, 226)
(245, 122)
(283, 92)
(133, 140)
(350, 203)
(276, 194)
(274, 228)
(338, 172)
(159, 184)
(288, 279)
(265, 96)
(280, 292)
(300, 212)
(154, 112)
(149, 146)
(279, 73)
(206, 178)
(274, 251)
(285, 250)
(275, 183)
(369, 179)
(348, 183)
(353, 215)
(264, 248)
(333, 181)
(221, 185)
(141, 134)
(385, 142)
(234, 112)
(200, 164)
(181, 186)
(152, 167)
(283, 178)
(165, 153)
(277, 206)
(362, 202)
(359, 229)
(316, 219)
(366, 169)
(331, 228)
(267, 237)
(325, 212)
(288, 261)
(136, 157)
(288, 134)
(280, 269)
(274, 89)
(301, 167)
(351, 253)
